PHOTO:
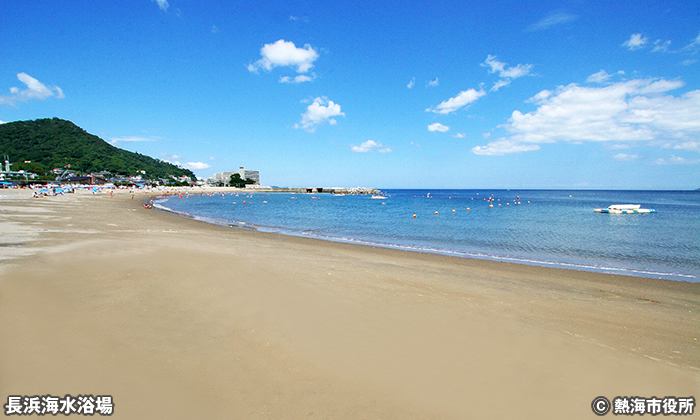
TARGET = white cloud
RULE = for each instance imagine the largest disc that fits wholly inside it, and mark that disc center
(461, 100)
(215, 29)
(506, 73)
(499, 84)
(370, 146)
(623, 157)
(411, 83)
(459, 135)
(35, 90)
(434, 82)
(284, 53)
(635, 42)
(438, 127)
(299, 79)
(676, 160)
(196, 165)
(319, 112)
(631, 111)
(168, 157)
(693, 146)
(518, 71)
(601, 77)
(496, 66)
(694, 45)
(661, 46)
(503, 146)
(551, 20)
(163, 4)
(115, 141)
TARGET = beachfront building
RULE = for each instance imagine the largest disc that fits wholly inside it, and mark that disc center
(221, 177)
(252, 175)
(225, 177)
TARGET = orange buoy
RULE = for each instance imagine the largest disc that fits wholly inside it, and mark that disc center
(436, 213)
(414, 216)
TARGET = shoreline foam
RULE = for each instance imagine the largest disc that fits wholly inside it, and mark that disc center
(567, 265)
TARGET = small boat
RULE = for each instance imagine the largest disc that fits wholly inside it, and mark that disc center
(625, 209)
(378, 197)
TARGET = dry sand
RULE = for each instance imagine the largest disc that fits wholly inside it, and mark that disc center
(179, 319)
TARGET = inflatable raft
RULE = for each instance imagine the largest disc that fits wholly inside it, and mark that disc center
(625, 209)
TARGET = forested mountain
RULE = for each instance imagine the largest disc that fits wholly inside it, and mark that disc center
(55, 143)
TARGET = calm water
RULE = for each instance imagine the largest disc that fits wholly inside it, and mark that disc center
(550, 228)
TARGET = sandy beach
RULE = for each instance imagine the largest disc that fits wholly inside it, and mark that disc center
(180, 319)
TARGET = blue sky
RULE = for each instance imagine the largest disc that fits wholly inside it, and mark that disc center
(389, 94)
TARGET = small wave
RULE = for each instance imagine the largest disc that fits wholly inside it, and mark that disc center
(517, 260)
(495, 249)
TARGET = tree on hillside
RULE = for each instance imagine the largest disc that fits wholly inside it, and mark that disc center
(238, 182)
(55, 143)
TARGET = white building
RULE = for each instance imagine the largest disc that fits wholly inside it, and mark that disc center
(225, 177)
(254, 175)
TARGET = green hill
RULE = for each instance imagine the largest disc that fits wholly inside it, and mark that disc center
(55, 143)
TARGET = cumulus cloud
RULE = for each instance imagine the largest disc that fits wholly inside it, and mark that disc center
(461, 100)
(411, 83)
(319, 112)
(693, 146)
(370, 146)
(35, 90)
(434, 82)
(551, 20)
(196, 165)
(632, 111)
(635, 42)
(438, 127)
(285, 54)
(166, 157)
(504, 71)
(163, 4)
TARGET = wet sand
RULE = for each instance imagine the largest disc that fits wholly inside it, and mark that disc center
(179, 319)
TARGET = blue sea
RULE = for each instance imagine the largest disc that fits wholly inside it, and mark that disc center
(556, 228)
